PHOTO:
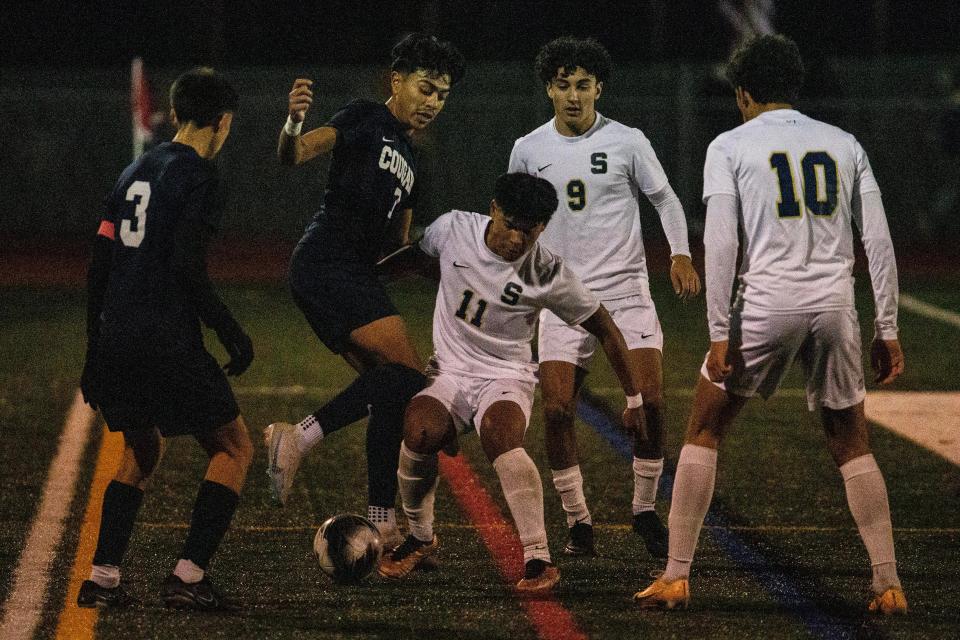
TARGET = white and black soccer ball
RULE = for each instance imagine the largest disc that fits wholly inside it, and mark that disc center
(348, 548)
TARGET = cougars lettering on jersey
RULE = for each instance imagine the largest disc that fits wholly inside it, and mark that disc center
(598, 177)
(487, 306)
(795, 178)
(371, 179)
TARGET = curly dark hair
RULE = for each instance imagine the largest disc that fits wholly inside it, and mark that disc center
(769, 68)
(525, 199)
(435, 56)
(201, 96)
(566, 53)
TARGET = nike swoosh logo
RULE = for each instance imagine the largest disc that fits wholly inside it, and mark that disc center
(645, 336)
(544, 166)
(386, 139)
(503, 393)
(461, 266)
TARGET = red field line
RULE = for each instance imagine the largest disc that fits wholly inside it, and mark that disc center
(550, 619)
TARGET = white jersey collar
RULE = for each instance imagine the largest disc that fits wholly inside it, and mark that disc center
(597, 123)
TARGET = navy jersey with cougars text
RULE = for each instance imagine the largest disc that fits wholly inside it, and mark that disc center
(161, 214)
(371, 180)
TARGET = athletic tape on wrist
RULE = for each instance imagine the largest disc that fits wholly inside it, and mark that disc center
(292, 128)
(634, 402)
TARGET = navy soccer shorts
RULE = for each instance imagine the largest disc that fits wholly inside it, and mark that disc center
(180, 391)
(337, 297)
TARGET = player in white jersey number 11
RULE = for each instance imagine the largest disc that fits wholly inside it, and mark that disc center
(795, 302)
(494, 281)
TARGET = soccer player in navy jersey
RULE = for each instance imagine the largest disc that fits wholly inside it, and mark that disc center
(146, 366)
(366, 212)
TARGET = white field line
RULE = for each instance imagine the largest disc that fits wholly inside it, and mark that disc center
(25, 602)
(926, 310)
(930, 419)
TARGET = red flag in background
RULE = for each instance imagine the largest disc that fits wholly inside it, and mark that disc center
(141, 108)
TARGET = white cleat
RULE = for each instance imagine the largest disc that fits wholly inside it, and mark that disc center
(283, 458)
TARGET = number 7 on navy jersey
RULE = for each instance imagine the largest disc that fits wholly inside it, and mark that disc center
(820, 184)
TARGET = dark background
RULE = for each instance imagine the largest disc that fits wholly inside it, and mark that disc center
(887, 71)
(71, 33)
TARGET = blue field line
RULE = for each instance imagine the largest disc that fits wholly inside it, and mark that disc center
(782, 587)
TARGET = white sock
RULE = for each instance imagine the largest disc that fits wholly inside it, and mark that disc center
(384, 518)
(523, 490)
(310, 433)
(867, 497)
(417, 474)
(569, 484)
(105, 575)
(646, 479)
(187, 571)
(692, 492)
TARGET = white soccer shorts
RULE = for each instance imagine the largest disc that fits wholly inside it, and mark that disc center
(635, 316)
(467, 398)
(827, 344)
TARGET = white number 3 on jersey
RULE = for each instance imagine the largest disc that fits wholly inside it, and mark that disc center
(129, 236)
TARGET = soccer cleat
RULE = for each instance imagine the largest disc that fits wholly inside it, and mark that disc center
(664, 595)
(538, 576)
(580, 541)
(407, 557)
(647, 525)
(197, 596)
(93, 595)
(890, 602)
(283, 458)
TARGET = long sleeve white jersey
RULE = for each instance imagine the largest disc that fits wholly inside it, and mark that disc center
(486, 306)
(598, 177)
(798, 186)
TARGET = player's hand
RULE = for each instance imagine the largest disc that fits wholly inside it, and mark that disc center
(718, 361)
(301, 97)
(635, 422)
(686, 282)
(238, 345)
(886, 358)
(87, 383)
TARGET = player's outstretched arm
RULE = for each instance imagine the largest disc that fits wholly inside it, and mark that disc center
(624, 365)
(409, 259)
(294, 148)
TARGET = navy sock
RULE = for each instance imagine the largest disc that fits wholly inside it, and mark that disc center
(121, 502)
(384, 435)
(389, 383)
(212, 513)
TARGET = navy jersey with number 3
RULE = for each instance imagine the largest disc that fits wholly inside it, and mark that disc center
(162, 212)
(371, 180)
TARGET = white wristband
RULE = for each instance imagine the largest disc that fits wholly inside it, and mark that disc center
(634, 402)
(292, 128)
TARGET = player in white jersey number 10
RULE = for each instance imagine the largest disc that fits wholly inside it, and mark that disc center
(599, 167)
(796, 187)
(494, 280)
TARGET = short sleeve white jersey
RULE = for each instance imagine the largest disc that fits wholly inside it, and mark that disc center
(794, 178)
(598, 177)
(486, 308)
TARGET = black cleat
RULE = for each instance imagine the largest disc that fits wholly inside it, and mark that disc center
(580, 540)
(93, 595)
(647, 525)
(198, 596)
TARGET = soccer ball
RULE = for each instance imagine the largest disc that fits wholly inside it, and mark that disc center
(348, 548)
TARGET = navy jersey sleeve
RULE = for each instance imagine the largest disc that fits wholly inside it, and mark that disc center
(347, 123)
(194, 233)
